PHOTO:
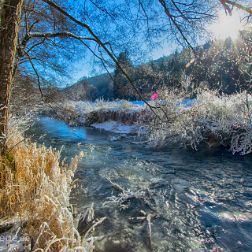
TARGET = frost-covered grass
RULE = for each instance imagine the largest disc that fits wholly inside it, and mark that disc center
(216, 120)
(87, 113)
(86, 107)
(34, 191)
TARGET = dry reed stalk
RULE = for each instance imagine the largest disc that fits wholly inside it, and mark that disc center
(35, 187)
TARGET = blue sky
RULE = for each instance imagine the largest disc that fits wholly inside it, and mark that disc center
(224, 26)
(119, 33)
(84, 67)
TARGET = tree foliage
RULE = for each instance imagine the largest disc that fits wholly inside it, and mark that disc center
(224, 66)
(122, 87)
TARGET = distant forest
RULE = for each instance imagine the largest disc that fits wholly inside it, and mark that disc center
(216, 65)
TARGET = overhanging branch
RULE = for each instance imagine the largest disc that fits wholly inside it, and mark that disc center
(169, 15)
(102, 45)
(58, 34)
(226, 4)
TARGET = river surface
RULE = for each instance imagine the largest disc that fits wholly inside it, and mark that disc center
(172, 199)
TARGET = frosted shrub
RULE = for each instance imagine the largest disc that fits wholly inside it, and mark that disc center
(213, 119)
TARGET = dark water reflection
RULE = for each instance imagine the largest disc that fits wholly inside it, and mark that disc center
(198, 201)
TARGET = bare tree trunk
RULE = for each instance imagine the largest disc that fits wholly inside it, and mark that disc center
(10, 21)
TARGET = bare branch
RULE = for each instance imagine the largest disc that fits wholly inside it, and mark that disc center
(171, 17)
(58, 34)
(226, 4)
(100, 43)
(35, 45)
(36, 72)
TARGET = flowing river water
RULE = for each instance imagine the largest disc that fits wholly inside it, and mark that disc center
(172, 199)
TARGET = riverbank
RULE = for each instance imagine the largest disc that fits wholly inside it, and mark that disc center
(35, 186)
(211, 120)
(164, 200)
(80, 113)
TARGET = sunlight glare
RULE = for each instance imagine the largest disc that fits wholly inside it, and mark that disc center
(226, 26)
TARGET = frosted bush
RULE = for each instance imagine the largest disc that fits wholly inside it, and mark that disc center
(213, 119)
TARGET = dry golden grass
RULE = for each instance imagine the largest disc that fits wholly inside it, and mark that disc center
(35, 188)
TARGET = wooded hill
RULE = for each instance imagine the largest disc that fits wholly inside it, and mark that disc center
(218, 65)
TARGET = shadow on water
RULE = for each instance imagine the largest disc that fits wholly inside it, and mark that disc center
(195, 201)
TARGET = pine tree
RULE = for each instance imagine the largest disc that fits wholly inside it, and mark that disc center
(122, 88)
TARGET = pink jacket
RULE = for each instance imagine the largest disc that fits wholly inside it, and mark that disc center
(154, 96)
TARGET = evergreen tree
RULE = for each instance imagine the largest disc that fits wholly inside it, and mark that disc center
(122, 88)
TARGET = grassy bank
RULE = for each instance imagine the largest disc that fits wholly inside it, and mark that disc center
(215, 120)
(34, 193)
(80, 113)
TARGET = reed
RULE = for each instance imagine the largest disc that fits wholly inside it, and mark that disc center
(34, 189)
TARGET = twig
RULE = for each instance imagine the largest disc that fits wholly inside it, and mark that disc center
(36, 72)
(116, 186)
(94, 225)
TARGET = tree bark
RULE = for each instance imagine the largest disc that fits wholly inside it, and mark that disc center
(10, 21)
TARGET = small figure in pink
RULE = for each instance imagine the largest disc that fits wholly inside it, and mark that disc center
(154, 96)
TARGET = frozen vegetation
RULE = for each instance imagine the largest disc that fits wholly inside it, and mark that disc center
(118, 116)
(35, 209)
(210, 119)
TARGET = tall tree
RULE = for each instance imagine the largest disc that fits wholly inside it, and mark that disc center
(10, 22)
(121, 84)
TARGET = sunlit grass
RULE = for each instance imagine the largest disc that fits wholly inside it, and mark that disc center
(34, 190)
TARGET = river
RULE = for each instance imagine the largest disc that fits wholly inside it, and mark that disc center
(194, 201)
